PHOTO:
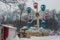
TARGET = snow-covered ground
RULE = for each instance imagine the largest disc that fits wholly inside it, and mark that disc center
(39, 38)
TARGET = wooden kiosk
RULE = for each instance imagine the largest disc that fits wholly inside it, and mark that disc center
(9, 32)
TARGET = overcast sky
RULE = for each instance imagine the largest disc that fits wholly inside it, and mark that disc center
(50, 4)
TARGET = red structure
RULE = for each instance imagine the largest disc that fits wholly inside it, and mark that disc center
(24, 31)
(6, 30)
(35, 5)
(26, 18)
(46, 15)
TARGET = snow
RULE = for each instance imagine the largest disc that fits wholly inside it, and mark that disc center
(46, 38)
(9, 26)
(39, 38)
(6, 7)
(16, 38)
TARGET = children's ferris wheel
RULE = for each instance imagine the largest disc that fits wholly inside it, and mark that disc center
(35, 5)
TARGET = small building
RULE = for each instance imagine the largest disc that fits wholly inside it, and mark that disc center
(9, 32)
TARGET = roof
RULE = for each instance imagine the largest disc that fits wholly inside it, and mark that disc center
(9, 26)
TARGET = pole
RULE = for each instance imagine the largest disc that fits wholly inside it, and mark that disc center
(38, 22)
(37, 18)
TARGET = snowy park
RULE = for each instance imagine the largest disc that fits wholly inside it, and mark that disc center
(29, 20)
